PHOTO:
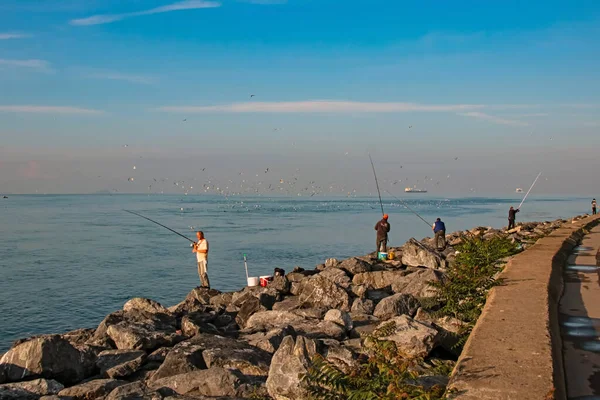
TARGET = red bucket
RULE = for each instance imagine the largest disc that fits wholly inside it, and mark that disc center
(265, 279)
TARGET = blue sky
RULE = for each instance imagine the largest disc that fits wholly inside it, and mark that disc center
(493, 83)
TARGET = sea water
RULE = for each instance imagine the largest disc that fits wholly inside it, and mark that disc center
(66, 261)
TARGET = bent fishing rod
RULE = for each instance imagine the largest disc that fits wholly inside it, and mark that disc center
(158, 223)
(407, 206)
(527, 194)
(377, 183)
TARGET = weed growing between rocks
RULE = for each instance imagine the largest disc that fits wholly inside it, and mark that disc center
(383, 374)
(463, 292)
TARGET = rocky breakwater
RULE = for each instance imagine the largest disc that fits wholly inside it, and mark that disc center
(254, 343)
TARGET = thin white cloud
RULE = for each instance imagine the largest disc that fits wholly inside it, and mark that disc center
(32, 109)
(494, 119)
(8, 35)
(181, 5)
(321, 106)
(116, 76)
(33, 63)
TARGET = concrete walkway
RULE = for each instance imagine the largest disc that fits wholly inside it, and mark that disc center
(580, 320)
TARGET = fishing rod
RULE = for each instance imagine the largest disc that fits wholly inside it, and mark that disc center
(407, 206)
(158, 223)
(377, 183)
(527, 194)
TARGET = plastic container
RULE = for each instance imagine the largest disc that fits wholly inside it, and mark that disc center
(382, 256)
(391, 255)
(253, 281)
(265, 279)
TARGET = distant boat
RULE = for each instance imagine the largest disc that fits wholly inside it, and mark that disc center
(519, 190)
(5, 197)
(414, 190)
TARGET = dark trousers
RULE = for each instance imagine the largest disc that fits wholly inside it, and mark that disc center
(593, 210)
(511, 224)
(382, 245)
(440, 236)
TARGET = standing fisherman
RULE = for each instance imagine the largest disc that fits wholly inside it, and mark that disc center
(512, 214)
(201, 250)
(382, 227)
(594, 207)
(439, 228)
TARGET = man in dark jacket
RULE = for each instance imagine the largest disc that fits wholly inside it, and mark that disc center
(382, 227)
(439, 228)
(512, 214)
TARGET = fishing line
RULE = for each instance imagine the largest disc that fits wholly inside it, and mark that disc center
(377, 183)
(158, 223)
(527, 194)
(407, 206)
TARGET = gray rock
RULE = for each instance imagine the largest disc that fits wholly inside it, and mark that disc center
(359, 291)
(288, 304)
(267, 296)
(417, 254)
(159, 355)
(250, 306)
(30, 389)
(50, 357)
(378, 279)
(184, 357)
(146, 305)
(198, 322)
(221, 300)
(337, 276)
(139, 330)
(289, 362)
(339, 317)
(417, 283)
(266, 320)
(271, 340)
(320, 330)
(377, 294)
(310, 313)
(341, 356)
(412, 338)
(354, 266)
(281, 284)
(319, 291)
(250, 360)
(134, 391)
(331, 262)
(363, 306)
(91, 390)
(395, 305)
(120, 363)
(206, 382)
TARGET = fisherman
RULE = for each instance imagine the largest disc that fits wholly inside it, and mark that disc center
(382, 227)
(594, 207)
(439, 228)
(201, 250)
(512, 214)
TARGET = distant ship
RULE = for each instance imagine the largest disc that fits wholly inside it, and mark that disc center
(414, 190)
(519, 190)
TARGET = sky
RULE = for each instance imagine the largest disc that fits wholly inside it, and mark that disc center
(465, 97)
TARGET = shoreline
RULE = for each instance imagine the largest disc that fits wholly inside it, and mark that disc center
(248, 337)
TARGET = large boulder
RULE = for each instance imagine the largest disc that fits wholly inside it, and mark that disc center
(289, 363)
(140, 330)
(319, 291)
(417, 283)
(183, 358)
(417, 254)
(50, 357)
(250, 306)
(249, 361)
(134, 391)
(206, 382)
(288, 304)
(339, 317)
(412, 338)
(395, 305)
(337, 276)
(281, 284)
(33, 389)
(266, 295)
(266, 320)
(271, 340)
(378, 279)
(198, 322)
(341, 356)
(91, 390)
(363, 306)
(120, 363)
(354, 266)
(145, 305)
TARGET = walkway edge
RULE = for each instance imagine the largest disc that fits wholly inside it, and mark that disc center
(514, 351)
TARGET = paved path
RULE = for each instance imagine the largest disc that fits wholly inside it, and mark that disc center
(580, 320)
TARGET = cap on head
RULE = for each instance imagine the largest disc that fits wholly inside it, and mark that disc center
(438, 219)
(385, 216)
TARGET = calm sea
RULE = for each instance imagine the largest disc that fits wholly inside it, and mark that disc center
(68, 260)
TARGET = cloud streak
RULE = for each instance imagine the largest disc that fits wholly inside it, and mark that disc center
(8, 36)
(116, 76)
(33, 64)
(321, 106)
(32, 109)
(181, 5)
(494, 119)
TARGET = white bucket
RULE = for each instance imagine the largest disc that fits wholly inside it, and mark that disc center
(253, 281)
